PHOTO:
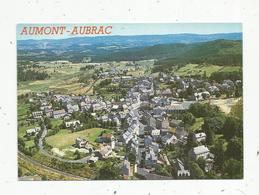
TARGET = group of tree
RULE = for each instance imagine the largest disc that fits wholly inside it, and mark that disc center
(86, 119)
(110, 170)
(108, 124)
(220, 76)
(224, 135)
(30, 75)
(87, 67)
(204, 110)
(105, 82)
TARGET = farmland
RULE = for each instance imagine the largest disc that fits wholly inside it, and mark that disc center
(63, 79)
(198, 69)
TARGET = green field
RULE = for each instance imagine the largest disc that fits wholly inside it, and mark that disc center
(198, 69)
(64, 138)
(22, 111)
(56, 122)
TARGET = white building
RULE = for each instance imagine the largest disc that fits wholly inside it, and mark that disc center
(72, 123)
(198, 137)
(199, 151)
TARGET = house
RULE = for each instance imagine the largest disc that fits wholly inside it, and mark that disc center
(202, 95)
(37, 114)
(150, 158)
(169, 139)
(155, 147)
(155, 132)
(127, 136)
(199, 137)
(99, 106)
(126, 78)
(73, 123)
(166, 92)
(48, 112)
(181, 171)
(180, 132)
(59, 113)
(178, 107)
(162, 123)
(32, 132)
(199, 151)
(105, 137)
(72, 108)
(151, 121)
(126, 169)
(81, 142)
(104, 152)
(93, 159)
(175, 123)
(158, 111)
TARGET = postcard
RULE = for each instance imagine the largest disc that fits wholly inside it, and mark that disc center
(130, 101)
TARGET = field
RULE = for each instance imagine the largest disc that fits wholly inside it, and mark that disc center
(198, 69)
(62, 79)
(64, 138)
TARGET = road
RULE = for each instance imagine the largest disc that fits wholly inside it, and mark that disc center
(37, 164)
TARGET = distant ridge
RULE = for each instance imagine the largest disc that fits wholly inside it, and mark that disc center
(115, 48)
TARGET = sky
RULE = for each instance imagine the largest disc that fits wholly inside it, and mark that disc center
(142, 29)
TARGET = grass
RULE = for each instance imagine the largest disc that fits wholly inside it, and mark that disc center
(64, 138)
(22, 130)
(198, 69)
(29, 143)
(56, 122)
(197, 125)
(22, 111)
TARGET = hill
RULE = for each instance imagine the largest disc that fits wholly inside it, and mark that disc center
(114, 47)
(220, 52)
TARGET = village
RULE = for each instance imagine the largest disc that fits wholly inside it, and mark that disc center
(146, 129)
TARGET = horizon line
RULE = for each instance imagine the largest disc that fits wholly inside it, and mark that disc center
(124, 35)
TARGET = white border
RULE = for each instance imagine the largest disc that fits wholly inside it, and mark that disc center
(119, 11)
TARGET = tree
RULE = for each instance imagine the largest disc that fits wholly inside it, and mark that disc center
(20, 172)
(188, 118)
(162, 170)
(233, 169)
(44, 178)
(235, 148)
(219, 151)
(214, 124)
(196, 171)
(132, 158)
(109, 171)
(204, 74)
(204, 110)
(232, 127)
(190, 142)
(210, 135)
(237, 110)
(202, 163)
(77, 154)
(48, 123)
(190, 90)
